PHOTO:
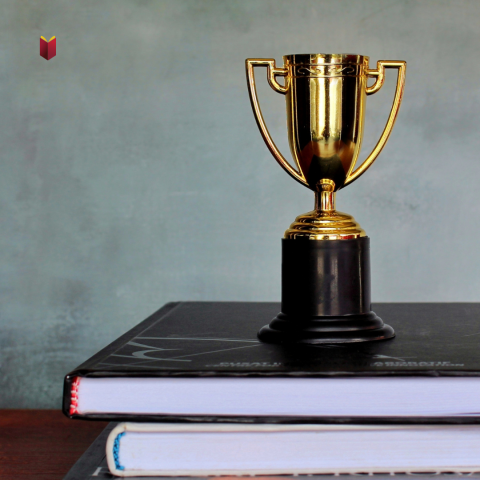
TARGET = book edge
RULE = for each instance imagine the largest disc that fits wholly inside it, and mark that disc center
(107, 350)
(285, 420)
(122, 428)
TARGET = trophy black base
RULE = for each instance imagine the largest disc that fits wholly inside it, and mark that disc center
(325, 294)
(315, 330)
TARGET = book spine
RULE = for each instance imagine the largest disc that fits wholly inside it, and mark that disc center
(116, 451)
(74, 396)
(113, 450)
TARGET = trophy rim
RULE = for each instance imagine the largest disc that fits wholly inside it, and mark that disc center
(326, 58)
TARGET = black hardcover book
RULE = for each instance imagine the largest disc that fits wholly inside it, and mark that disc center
(202, 361)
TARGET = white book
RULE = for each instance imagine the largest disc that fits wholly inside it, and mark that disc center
(155, 449)
(282, 397)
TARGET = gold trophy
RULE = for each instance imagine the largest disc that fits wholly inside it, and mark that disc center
(325, 253)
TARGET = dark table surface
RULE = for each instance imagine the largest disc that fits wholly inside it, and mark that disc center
(42, 444)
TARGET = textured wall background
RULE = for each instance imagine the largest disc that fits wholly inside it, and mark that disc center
(133, 173)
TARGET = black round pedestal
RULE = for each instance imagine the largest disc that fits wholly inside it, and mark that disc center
(342, 329)
(325, 294)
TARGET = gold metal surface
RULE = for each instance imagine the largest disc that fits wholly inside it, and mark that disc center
(325, 197)
(271, 69)
(325, 223)
(325, 101)
(318, 225)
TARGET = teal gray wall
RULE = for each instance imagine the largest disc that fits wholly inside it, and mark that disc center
(133, 173)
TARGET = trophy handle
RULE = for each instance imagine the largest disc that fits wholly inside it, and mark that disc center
(380, 74)
(272, 72)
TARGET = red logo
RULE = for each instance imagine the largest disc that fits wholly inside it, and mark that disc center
(48, 49)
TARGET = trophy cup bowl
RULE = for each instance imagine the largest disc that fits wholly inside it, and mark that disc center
(325, 253)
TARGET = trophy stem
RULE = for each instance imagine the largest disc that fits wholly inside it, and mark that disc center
(325, 197)
(325, 222)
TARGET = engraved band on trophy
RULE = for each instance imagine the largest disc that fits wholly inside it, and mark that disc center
(325, 253)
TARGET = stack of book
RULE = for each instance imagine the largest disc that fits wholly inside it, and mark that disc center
(199, 395)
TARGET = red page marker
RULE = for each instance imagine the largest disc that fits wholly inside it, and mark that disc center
(48, 49)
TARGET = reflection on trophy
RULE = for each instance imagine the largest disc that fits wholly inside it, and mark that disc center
(325, 253)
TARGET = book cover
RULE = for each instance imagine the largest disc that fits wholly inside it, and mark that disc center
(48, 49)
(208, 339)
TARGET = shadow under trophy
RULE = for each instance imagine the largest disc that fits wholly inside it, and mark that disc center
(325, 253)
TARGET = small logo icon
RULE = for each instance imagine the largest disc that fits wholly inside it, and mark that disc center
(48, 49)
